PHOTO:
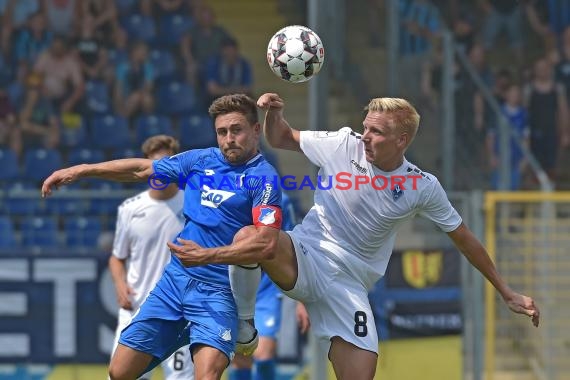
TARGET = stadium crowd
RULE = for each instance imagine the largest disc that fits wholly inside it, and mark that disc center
(90, 80)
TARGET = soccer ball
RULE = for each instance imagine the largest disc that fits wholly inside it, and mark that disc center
(295, 53)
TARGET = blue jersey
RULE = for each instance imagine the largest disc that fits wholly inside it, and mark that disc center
(220, 199)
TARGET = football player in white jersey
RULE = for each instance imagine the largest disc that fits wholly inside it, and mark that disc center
(343, 245)
(145, 223)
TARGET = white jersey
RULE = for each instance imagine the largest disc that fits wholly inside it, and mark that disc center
(356, 228)
(144, 225)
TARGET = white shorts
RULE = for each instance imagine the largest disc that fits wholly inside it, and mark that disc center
(178, 366)
(337, 304)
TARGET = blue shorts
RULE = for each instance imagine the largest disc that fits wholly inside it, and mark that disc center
(268, 308)
(180, 310)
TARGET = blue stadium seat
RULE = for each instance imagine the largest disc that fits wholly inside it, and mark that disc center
(97, 97)
(197, 132)
(173, 27)
(110, 132)
(9, 168)
(151, 125)
(163, 63)
(40, 163)
(85, 156)
(125, 6)
(61, 203)
(117, 154)
(7, 237)
(39, 232)
(139, 27)
(73, 131)
(82, 231)
(117, 57)
(177, 99)
(14, 203)
(106, 202)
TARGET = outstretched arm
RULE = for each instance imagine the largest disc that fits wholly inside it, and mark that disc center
(125, 170)
(474, 251)
(276, 129)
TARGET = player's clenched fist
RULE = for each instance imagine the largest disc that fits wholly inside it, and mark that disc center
(270, 100)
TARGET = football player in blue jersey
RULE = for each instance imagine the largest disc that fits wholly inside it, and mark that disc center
(225, 189)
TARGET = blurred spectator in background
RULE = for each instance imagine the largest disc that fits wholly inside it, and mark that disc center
(420, 25)
(32, 40)
(562, 70)
(537, 12)
(464, 29)
(161, 8)
(99, 19)
(470, 115)
(62, 78)
(38, 118)
(547, 107)
(14, 14)
(374, 29)
(64, 16)
(228, 72)
(10, 136)
(499, 15)
(517, 116)
(91, 52)
(134, 82)
(202, 41)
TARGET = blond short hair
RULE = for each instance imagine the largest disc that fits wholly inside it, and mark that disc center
(404, 114)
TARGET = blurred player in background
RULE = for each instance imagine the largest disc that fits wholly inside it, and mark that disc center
(342, 247)
(268, 319)
(226, 188)
(145, 223)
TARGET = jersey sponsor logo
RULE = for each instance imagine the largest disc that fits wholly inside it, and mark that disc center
(214, 198)
(422, 269)
(209, 172)
(361, 169)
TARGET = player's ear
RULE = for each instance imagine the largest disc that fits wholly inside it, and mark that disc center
(257, 128)
(402, 140)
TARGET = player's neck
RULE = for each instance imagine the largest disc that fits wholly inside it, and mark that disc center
(391, 165)
(161, 195)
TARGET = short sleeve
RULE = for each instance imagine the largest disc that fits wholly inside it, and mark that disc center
(320, 146)
(437, 208)
(121, 242)
(176, 167)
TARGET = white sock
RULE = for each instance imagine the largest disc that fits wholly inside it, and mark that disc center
(244, 281)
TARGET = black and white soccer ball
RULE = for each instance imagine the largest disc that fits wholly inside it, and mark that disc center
(295, 53)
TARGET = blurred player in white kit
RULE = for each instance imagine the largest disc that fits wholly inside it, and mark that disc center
(145, 223)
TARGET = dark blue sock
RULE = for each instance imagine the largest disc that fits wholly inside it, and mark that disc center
(265, 369)
(240, 374)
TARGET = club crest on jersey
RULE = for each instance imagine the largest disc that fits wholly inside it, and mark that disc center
(397, 192)
(266, 216)
(214, 198)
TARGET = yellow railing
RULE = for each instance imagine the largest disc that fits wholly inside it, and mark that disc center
(528, 237)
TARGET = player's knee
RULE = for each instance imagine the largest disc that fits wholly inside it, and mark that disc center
(244, 233)
(242, 362)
